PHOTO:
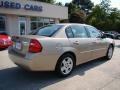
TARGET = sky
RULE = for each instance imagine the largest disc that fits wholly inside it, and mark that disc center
(114, 3)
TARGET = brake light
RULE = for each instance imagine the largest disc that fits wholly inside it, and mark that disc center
(35, 46)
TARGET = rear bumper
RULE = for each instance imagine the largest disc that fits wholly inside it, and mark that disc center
(37, 63)
(21, 62)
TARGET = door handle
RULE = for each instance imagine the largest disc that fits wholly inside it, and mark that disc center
(76, 42)
(94, 42)
(99, 38)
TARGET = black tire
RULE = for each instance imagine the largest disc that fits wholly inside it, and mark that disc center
(109, 53)
(60, 65)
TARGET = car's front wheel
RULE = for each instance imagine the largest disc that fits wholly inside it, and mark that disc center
(65, 65)
(118, 37)
(109, 53)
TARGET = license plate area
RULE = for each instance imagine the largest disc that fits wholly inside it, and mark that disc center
(18, 45)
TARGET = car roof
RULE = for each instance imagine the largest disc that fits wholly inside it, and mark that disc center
(72, 24)
(111, 31)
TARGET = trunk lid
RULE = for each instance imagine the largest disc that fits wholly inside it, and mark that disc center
(21, 43)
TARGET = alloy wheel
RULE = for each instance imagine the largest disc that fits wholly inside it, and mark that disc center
(67, 65)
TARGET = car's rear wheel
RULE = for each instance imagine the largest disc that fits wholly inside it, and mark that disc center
(109, 53)
(65, 65)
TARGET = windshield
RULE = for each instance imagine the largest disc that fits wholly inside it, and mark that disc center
(47, 30)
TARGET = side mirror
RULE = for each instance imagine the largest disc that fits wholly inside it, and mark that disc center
(103, 36)
(107, 36)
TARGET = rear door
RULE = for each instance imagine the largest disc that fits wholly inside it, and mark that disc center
(80, 41)
(99, 45)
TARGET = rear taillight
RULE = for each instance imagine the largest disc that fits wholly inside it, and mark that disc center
(35, 46)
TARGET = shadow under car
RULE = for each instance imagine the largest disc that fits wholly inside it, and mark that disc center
(18, 79)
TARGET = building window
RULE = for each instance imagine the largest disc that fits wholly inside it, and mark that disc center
(39, 22)
(52, 21)
(46, 21)
(36, 22)
(2, 23)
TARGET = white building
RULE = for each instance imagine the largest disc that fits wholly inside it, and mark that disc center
(19, 17)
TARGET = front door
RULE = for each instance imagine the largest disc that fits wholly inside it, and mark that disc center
(22, 27)
(99, 45)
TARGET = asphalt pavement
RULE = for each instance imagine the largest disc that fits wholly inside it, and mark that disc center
(94, 75)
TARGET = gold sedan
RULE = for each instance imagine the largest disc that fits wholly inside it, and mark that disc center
(60, 47)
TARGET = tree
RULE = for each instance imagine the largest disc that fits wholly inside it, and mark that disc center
(85, 5)
(59, 3)
(105, 18)
(72, 8)
(114, 15)
(114, 18)
(78, 17)
(105, 4)
(98, 13)
(47, 1)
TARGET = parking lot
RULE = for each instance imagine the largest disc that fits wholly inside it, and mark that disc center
(94, 75)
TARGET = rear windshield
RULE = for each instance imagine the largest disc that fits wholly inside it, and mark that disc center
(47, 30)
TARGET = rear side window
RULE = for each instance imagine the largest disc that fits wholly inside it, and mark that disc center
(47, 30)
(69, 32)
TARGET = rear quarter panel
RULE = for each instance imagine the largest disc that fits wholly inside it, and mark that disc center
(53, 48)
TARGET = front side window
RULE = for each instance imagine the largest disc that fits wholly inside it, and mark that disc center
(79, 31)
(2, 24)
(47, 30)
(94, 33)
